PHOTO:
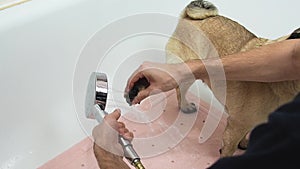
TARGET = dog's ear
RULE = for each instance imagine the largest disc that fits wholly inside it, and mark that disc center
(295, 34)
(199, 9)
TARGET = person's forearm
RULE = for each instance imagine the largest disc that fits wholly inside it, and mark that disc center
(107, 160)
(275, 62)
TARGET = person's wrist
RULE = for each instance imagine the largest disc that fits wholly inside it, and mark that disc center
(178, 72)
(194, 70)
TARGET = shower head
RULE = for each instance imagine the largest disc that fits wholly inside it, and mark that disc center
(96, 96)
(95, 102)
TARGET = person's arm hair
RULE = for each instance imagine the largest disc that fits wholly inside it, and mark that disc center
(107, 160)
(274, 62)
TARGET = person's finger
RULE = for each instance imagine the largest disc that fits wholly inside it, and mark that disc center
(111, 119)
(136, 75)
(115, 115)
(141, 95)
(132, 80)
(122, 131)
(129, 136)
(121, 125)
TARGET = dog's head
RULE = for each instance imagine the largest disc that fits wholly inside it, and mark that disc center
(200, 9)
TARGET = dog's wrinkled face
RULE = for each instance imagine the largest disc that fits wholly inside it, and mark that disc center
(201, 4)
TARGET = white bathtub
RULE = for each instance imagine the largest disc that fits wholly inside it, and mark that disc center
(40, 42)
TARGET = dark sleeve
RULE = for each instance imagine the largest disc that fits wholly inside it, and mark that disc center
(275, 144)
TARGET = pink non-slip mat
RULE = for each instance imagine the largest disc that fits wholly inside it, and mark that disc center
(169, 139)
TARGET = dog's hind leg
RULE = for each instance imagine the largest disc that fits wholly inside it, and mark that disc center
(234, 132)
(243, 145)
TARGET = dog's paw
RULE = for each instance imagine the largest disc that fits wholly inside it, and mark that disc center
(188, 109)
(220, 151)
(141, 84)
(243, 145)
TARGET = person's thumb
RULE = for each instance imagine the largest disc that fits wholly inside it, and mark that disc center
(115, 115)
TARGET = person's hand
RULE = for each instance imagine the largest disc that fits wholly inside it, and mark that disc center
(162, 78)
(106, 134)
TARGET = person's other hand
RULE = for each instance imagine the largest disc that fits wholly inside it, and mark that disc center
(106, 134)
(162, 78)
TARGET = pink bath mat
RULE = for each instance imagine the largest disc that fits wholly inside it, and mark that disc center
(164, 137)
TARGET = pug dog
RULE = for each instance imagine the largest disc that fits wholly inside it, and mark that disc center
(247, 103)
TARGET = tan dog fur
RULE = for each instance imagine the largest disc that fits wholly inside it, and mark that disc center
(247, 103)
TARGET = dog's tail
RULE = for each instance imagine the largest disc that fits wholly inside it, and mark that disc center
(200, 9)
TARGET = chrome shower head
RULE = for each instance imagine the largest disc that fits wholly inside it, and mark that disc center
(95, 102)
(96, 96)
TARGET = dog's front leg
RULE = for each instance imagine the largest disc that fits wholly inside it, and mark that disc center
(183, 104)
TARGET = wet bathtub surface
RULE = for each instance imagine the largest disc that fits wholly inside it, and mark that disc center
(182, 150)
